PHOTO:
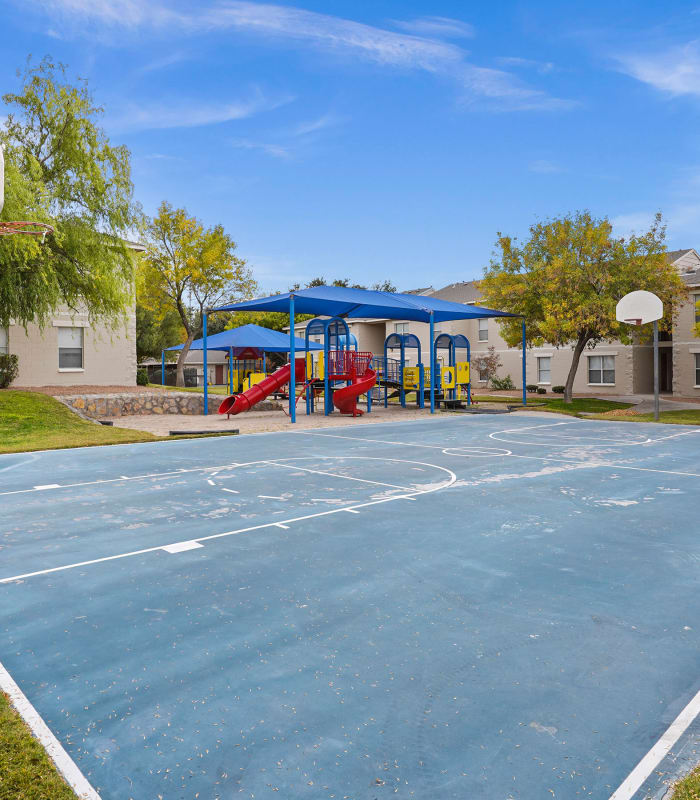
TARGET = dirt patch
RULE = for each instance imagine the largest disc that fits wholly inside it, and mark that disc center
(621, 412)
(264, 421)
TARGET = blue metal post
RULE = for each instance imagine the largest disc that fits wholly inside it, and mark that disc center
(230, 370)
(292, 363)
(265, 362)
(524, 367)
(206, 376)
(386, 375)
(162, 367)
(469, 385)
(432, 363)
(421, 385)
(402, 367)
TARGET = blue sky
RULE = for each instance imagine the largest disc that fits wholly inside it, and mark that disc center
(383, 139)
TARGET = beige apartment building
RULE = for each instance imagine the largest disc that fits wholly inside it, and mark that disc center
(611, 368)
(72, 350)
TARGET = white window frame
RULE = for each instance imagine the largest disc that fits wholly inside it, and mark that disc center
(401, 328)
(4, 348)
(696, 312)
(697, 369)
(548, 370)
(602, 369)
(81, 368)
(483, 329)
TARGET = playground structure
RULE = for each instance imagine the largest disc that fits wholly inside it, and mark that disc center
(355, 368)
(336, 364)
(399, 378)
(339, 375)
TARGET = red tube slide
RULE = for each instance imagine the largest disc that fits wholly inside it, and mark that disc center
(236, 403)
(345, 399)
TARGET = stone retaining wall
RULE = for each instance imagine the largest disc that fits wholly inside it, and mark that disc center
(128, 403)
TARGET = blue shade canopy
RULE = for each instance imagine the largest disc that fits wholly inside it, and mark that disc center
(247, 337)
(338, 301)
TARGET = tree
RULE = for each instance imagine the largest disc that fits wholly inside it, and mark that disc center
(568, 277)
(61, 169)
(487, 365)
(155, 332)
(188, 269)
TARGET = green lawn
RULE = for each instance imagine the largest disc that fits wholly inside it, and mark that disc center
(212, 389)
(540, 402)
(689, 788)
(33, 421)
(681, 417)
(26, 772)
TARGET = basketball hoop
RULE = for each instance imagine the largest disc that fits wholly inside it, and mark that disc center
(637, 321)
(27, 228)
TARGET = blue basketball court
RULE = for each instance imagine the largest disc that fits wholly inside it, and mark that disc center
(462, 607)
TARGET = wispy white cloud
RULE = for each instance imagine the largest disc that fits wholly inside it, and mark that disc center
(543, 67)
(164, 62)
(544, 167)
(316, 125)
(275, 150)
(189, 114)
(499, 88)
(440, 27)
(675, 70)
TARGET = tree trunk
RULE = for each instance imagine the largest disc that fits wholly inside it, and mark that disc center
(180, 379)
(583, 340)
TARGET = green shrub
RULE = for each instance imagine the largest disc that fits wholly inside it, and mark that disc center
(532, 387)
(9, 367)
(502, 383)
(141, 377)
(541, 390)
(558, 389)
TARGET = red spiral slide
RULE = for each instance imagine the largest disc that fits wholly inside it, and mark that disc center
(345, 399)
(236, 403)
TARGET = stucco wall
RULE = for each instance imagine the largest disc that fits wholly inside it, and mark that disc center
(685, 345)
(109, 356)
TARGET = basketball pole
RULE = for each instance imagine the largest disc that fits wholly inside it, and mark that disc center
(656, 370)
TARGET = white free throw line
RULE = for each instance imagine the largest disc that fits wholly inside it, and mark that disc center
(337, 475)
(64, 763)
(658, 752)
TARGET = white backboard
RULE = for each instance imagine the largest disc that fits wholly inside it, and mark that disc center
(637, 308)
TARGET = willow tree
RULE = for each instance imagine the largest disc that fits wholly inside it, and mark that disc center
(567, 278)
(60, 168)
(189, 268)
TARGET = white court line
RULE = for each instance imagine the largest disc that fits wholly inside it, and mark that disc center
(658, 752)
(120, 479)
(414, 493)
(606, 464)
(64, 763)
(335, 474)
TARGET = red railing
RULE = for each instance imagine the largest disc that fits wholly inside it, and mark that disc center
(347, 364)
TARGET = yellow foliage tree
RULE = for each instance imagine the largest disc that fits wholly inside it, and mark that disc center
(568, 277)
(189, 268)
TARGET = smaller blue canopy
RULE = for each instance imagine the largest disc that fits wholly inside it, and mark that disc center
(250, 337)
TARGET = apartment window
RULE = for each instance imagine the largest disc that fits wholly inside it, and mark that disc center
(401, 327)
(483, 330)
(601, 369)
(70, 348)
(544, 365)
(4, 344)
(696, 300)
(697, 369)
